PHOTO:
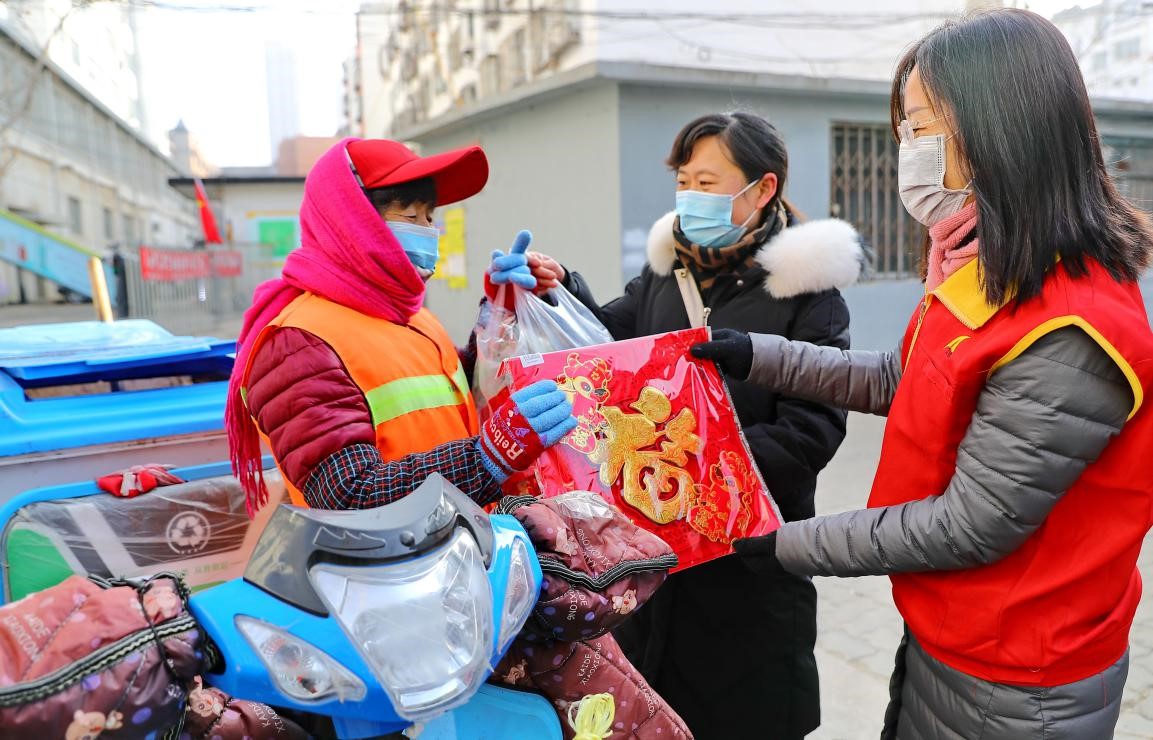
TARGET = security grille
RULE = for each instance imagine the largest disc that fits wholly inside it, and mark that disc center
(1130, 161)
(864, 193)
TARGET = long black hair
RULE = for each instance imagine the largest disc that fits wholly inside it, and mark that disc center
(754, 144)
(1024, 125)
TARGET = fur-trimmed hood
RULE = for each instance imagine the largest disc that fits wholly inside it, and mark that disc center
(806, 258)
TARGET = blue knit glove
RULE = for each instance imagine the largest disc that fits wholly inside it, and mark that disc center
(532, 420)
(510, 269)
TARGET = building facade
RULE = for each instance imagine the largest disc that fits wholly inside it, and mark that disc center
(1113, 40)
(254, 209)
(184, 149)
(297, 154)
(417, 60)
(283, 82)
(578, 159)
(71, 165)
(94, 44)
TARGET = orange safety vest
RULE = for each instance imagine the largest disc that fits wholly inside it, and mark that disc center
(410, 375)
(1059, 608)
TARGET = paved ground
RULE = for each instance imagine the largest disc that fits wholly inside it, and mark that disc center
(859, 629)
(39, 313)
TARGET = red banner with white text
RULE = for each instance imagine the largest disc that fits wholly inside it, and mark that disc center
(170, 265)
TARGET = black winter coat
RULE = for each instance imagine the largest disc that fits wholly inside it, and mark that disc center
(731, 650)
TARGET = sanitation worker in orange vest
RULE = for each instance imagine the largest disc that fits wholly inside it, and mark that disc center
(355, 386)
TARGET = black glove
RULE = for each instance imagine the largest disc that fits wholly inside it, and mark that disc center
(732, 350)
(760, 554)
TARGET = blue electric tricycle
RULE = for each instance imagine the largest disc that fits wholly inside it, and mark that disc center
(384, 621)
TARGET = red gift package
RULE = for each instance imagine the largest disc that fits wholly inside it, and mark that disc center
(658, 438)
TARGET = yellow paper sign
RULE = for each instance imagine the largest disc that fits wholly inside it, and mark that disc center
(452, 265)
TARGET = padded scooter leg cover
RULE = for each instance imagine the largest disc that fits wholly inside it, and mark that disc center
(566, 672)
(599, 567)
(213, 714)
(86, 657)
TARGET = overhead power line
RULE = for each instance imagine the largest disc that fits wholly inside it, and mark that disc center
(830, 20)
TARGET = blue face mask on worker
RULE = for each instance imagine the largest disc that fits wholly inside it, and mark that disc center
(420, 243)
(706, 219)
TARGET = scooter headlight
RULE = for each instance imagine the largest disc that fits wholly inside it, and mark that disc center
(424, 626)
(520, 596)
(300, 670)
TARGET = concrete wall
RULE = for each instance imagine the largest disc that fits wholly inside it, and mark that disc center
(554, 170)
(651, 116)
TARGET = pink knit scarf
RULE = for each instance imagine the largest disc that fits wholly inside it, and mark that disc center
(347, 256)
(946, 253)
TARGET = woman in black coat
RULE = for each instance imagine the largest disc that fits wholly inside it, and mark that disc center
(731, 650)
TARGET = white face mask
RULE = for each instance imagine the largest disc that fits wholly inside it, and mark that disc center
(921, 178)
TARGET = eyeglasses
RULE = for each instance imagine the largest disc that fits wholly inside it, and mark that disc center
(906, 128)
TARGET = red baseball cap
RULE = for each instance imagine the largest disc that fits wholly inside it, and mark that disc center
(458, 174)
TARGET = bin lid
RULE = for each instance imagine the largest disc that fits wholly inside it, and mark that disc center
(74, 354)
(79, 350)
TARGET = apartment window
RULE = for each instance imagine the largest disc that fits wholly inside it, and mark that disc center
(490, 75)
(109, 229)
(75, 215)
(454, 51)
(513, 54)
(1127, 49)
(129, 230)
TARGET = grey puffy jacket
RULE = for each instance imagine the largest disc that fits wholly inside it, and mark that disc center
(1039, 422)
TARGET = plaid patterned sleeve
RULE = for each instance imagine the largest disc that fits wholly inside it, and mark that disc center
(357, 478)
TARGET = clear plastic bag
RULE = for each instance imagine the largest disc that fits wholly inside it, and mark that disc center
(535, 325)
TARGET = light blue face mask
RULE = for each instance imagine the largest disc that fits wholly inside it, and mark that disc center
(420, 243)
(707, 218)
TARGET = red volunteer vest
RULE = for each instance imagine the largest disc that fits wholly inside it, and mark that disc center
(1059, 608)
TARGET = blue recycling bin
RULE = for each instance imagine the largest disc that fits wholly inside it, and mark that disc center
(79, 400)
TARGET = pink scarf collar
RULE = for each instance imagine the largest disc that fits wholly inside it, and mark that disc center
(946, 253)
(347, 256)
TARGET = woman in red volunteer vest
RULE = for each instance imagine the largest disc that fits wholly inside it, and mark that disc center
(1014, 487)
(357, 388)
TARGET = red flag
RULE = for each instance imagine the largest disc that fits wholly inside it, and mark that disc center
(207, 220)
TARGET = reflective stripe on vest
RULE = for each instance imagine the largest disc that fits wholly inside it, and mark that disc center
(403, 396)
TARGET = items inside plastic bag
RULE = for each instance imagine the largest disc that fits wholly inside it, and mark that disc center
(658, 438)
(554, 321)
